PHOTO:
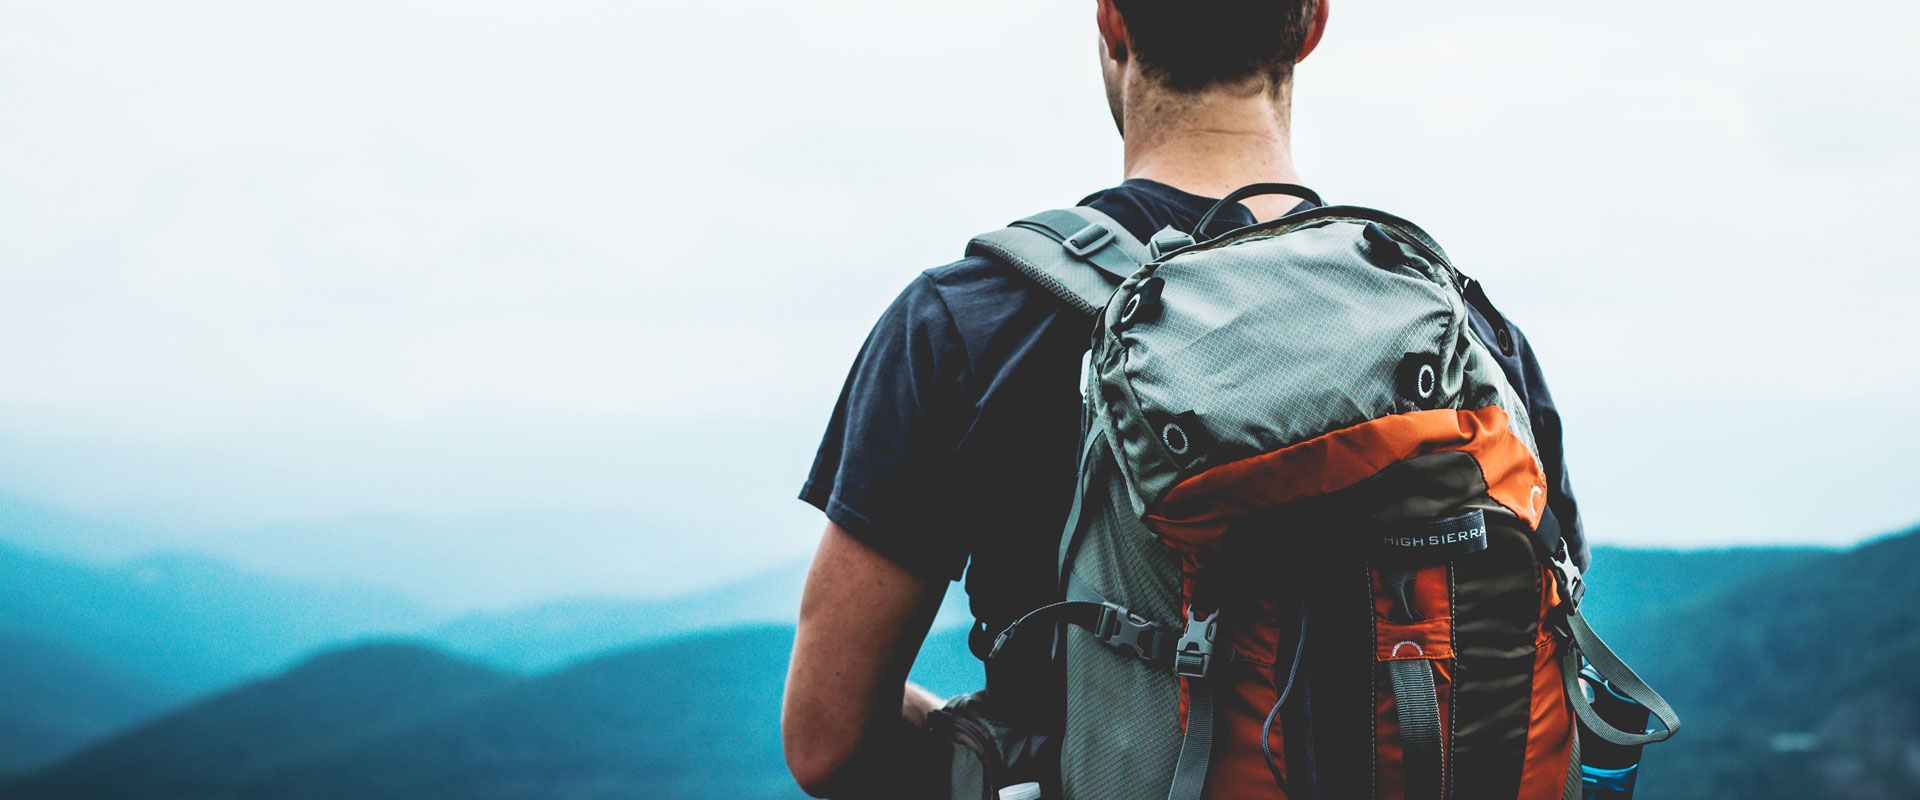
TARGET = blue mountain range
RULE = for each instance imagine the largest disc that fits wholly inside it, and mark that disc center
(179, 678)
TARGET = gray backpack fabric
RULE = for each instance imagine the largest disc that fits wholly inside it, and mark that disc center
(1308, 556)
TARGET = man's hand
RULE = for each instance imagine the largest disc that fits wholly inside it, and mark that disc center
(916, 702)
(862, 620)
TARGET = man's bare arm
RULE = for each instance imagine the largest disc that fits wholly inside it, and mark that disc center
(862, 621)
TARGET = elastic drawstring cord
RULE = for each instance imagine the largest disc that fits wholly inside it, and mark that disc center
(1266, 729)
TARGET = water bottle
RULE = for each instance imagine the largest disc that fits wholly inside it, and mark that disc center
(1021, 791)
(1607, 770)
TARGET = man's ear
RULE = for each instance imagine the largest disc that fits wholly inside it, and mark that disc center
(1317, 27)
(1113, 29)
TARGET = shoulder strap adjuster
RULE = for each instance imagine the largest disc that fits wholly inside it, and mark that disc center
(1088, 240)
(1078, 254)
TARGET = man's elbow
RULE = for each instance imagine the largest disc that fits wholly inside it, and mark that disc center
(815, 759)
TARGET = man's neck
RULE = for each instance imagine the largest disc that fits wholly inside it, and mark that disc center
(1211, 143)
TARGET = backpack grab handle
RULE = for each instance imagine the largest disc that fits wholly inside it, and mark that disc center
(1254, 190)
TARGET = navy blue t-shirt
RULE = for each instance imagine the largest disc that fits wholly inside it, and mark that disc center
(952, 448)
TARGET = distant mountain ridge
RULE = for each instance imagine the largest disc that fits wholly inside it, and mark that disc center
(550, 634)
(1790, 667)
(697, 718)
(694, 718)
(57, 697)
(214, 746)
(104, 646)
(188, 624)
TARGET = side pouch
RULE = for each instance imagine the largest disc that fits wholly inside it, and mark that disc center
(989, 752)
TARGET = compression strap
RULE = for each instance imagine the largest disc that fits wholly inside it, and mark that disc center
(1416, 699)
(1583, 643)
(1416, 704)
(1573, 789)
(1199, 663)
(1618, 676)
(1196, 747)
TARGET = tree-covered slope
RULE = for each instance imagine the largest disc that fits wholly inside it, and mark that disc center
(55, 697)
(1798, 683)
(207, 749)
(694, 718)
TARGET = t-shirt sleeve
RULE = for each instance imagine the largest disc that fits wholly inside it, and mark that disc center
(889, 447)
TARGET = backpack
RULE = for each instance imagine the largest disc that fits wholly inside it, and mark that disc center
(1310, 553)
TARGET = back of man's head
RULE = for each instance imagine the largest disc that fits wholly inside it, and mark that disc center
(1190, 45)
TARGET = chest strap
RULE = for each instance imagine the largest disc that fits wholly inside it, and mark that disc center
(1189, 654)
(1112, 625)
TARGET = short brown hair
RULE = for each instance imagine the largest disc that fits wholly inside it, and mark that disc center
(1193, 44)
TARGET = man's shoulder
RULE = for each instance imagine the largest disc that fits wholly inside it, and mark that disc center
(986, 302)
(987, 291)
(974, 275)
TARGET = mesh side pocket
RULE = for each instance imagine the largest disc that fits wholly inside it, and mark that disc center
(1123, 715)
(1123, 560)
(1123, 725)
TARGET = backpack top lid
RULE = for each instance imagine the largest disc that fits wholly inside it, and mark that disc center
(1294, 359)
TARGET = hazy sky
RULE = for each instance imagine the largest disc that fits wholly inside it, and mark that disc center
(492, 301)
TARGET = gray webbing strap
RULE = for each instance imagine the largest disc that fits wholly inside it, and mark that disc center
(1070, 536)
(1196, 749)
(1573, 789)
(1416, 701)
(1079, 590)
(1586, 643)
(1417, 705)
(1078, 254)
(1200, 660)
(1091, 236)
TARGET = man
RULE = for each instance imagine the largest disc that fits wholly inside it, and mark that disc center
(953, 444)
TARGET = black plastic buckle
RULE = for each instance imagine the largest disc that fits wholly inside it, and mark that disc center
(1193, 657)
(1557, 622)
(1566, 578)
(1128, 632)
(1088, 240)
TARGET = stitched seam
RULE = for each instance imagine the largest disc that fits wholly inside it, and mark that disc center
(1040, 276)
(1453, 698)
(1373, 691)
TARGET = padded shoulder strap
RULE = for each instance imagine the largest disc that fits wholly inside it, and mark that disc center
(1078, 254)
